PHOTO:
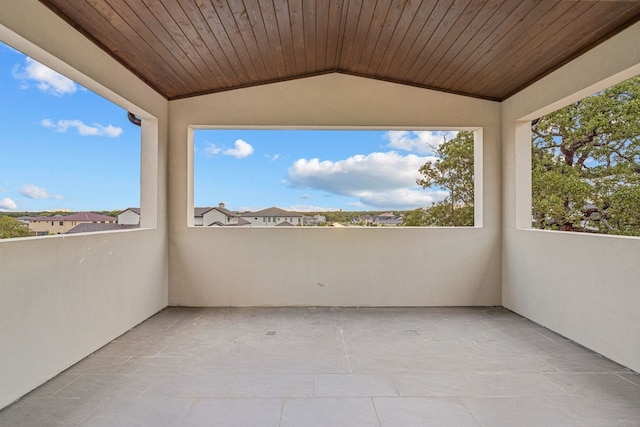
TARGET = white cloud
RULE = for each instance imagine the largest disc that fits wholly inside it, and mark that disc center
(83, 129)
(418, 141)
(378, 179)
(2, 190)
(7, 203)
(401, 198)
(211, 150)
(309, 208)
(45, 78)
(34, 192)
(272, 158)
(242, 150)
(305, 196)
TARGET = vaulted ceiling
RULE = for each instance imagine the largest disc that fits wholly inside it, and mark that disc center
(482, 48)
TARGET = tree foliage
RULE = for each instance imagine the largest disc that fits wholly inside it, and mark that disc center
(452, 172)
(11, 227)
(586, 164)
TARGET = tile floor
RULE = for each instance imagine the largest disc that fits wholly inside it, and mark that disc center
(336, 367)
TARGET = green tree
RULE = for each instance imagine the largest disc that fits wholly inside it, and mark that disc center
(11, 227)
(452, 172)
(586, 164)
(415, 218)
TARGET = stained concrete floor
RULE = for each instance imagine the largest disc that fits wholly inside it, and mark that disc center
(336, 367)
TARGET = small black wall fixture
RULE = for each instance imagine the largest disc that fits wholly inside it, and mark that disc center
(134, 119)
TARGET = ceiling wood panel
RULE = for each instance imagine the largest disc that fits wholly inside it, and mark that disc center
(511, 33)
(140, 33)
(335, 33)
(220, 43)
(489, 49)
(382, 33)
(416, 41)
(545, 30)
(309, 28)
(409, 25)
(377, 24)
(477, 28)
(487, 35)
(450, 26)
(268, 14)
(239, 39)
(552, 54)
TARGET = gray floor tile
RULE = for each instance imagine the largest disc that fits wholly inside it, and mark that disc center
(261, 386)
(106, 386)
(55, 384)
(190, 386)
(607, 386)
(38, 411)
(158, 365)
(139, 413)
(424, 411)
(329, 411)
(354, 385)
(564, 410)
(233, 412)
(533, 411)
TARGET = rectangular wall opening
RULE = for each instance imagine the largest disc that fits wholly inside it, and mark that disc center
(341, 178)
(71, 158)
(585, 164)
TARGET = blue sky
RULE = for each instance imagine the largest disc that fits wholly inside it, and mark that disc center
(313, 170)
(61, 145)
(64, 147)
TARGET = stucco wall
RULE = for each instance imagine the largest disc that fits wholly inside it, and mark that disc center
(63, 297)
(326, 266)
(585, 287)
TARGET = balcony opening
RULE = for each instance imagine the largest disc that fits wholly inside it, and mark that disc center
(341, 178)
(71, 158)
(586, 164)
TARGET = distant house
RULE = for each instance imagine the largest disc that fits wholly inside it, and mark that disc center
(314, 220)
(25, 219)
(363, 220)
(129, 216)
(198, 214)
(273, 217)
(220, 216)
(59, 224)
(387, 218)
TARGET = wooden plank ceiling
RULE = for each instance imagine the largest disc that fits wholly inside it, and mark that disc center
(482, 48)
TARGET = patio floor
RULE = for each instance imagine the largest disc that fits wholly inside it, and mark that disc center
(336, 367)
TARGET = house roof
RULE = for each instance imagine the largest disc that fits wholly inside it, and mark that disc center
(241, 222)
(273, 211)
(285, 224)
(200, 211)
(135, 210)
(89, 227)
(221, 210)
(489, 49)
(80, 216)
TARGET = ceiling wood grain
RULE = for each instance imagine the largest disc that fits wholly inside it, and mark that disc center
(488, 49)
